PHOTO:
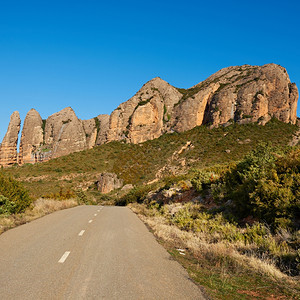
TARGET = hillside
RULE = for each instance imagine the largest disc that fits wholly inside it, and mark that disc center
(223, 205)
(140, 163)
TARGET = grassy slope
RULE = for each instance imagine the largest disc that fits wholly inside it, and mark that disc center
(139, 163)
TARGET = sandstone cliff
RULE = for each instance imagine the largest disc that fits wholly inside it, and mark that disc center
(240, 94)
(64, 133)
(146, 115)
(8, 148)
(32, 138)
(102, 128)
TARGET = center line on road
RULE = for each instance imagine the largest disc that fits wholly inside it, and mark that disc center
(64, 257)
(81, 232)
(90, 221)
(95, 215)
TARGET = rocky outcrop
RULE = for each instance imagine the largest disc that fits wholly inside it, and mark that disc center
(96, 130)
(32, 138)
(146, 115)
(108, 182)
(90, 130)
(64, 133)
(8, 148)
(240, 94)
(102, 129)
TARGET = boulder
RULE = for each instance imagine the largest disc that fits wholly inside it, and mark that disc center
(108, 182)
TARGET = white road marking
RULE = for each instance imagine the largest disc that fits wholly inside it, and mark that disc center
(98, 210)
(81, 232)
(90, 221)
(64, 257)
(95, 215)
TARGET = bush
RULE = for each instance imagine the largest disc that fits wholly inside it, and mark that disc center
(137, 194)
(61, 195)
(266, 187)
(6, 206)
(203, 179)
(82, 198)
(14, 197)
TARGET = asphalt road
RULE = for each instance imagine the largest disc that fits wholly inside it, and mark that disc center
(89, 252)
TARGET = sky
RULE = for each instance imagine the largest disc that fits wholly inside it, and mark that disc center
(93, 55)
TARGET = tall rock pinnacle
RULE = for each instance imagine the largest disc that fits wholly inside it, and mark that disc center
(8, 148)
(32, 137)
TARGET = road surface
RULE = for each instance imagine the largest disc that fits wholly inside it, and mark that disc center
(89, 252)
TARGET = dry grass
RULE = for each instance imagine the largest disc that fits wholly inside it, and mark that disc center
(222, 254)
(40, 208)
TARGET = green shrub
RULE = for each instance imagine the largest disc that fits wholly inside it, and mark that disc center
(82, 197)
(266, 186)
(14, 197)
(6, 206)
(137, 194)
(203, 179)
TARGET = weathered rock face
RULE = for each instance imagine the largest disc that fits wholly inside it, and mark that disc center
(64, 133)
(108, 182)
(241, 94)
(32, 138)
(8, 148)
(145, 116)
(90, 132)
(102, 129)
(96, 130)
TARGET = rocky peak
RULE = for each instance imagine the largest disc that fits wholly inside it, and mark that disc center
(145, 116)
(239, 94)
(64, 133)
(8, 148)
(32, 137)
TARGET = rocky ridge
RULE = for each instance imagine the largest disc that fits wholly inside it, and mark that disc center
(240, 94)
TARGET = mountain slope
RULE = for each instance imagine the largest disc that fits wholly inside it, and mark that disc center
(137, 163)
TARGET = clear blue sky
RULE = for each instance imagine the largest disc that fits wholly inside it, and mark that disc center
(92, 54)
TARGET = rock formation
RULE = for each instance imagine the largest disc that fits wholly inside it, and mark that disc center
(32, 138)
(240, 94)
(90, 130)
(8, 148)
(146, 115)
(108, 182)
(64, 133)
(102, 129)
